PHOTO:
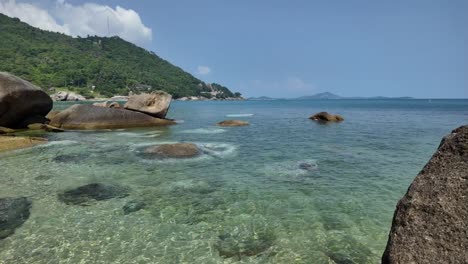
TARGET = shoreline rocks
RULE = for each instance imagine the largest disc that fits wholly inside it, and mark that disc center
(67, 96)
(82, 117)
(430, 223)
(20, 100)
(326, 117)
(233, 123)
(155, 104)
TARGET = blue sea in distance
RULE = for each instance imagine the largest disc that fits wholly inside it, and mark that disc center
(283, 190)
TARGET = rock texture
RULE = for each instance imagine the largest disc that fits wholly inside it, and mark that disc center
(19, 100)
(177, 150)
(430, 224)
(96, 117)
(155, 104)
(13, 213)
(326, 117)
(67, 96)
(233, 123)
(85, 194)
(11, 143)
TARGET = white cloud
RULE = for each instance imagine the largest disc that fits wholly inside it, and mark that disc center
(203, 70)
(81, 20)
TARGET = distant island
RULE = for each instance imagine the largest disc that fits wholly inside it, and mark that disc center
(326, 95)
(94, 66)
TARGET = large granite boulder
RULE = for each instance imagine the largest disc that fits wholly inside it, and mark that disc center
(326, 117)
(19, 100)
(95, 117)
(8, 143)
(155, 104)
(13, 213)
(430, 224)
(233, 123)
(177, 150)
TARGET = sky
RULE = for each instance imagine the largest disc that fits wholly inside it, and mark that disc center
(286, 49)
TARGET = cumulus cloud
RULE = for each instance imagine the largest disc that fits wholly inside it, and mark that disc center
(81, 20)
(203, 70)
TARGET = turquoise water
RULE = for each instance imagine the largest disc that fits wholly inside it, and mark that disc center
(249, 198)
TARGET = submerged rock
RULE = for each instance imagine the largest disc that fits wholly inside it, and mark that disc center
(233, 123)
(67, 96)
(52, 114)
(11, 143)
(74, 158)
(326, 117)
(94, 191)
(177, 150)
(133, 206)
(20, 100)
(95, 117)
(244, 243)
(430, 223)
(13, 213)
(155, 104)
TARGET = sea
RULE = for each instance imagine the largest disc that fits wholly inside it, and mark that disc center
(284, 189)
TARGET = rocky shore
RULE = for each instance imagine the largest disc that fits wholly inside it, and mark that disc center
(430, 224)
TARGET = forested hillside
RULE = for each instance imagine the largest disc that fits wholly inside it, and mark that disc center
(94, 65)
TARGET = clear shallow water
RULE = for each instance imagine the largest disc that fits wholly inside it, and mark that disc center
(282, 190)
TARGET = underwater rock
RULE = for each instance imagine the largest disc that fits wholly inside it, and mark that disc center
(233, 123)
(94, 191)
(96, 117)
(430, 223)
(20, 99)
(52, 114)
(13, 213)
(11, 143)
(326, 117)
(70, 157)
(307, 166)
(133, 206)
(244, 243)
(177, 150)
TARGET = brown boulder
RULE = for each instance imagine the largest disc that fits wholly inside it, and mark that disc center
(326, 117)
(52, 114)
(94, 117)
(155, 104)
(20, 99)
(177, 150)
(430, 224)
(11, 143)
(233, 123)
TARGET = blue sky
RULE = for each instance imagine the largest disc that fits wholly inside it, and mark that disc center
(291, 48)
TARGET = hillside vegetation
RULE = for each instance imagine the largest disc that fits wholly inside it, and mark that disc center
(92, 65)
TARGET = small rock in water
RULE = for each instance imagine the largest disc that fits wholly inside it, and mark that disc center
(307, 166)
(70, 158)
(233, 123)
(13, 213)
(42, 177)
(133, 206)
(94, 191)
(177, 150)
(244, 244)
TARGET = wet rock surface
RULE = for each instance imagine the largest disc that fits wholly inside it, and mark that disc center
(13, 213)
(326, 117)
(85, 194)
(430, 223)
(233, 123)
